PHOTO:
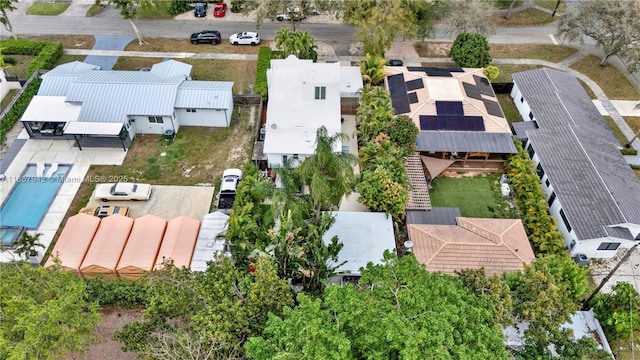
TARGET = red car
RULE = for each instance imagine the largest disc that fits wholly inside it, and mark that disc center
(220, 9)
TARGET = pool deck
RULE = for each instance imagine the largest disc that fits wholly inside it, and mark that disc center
(61, 152)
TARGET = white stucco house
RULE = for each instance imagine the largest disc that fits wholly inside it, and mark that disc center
(590, 188)
(90, 102)
(304, 96)
(6, 86)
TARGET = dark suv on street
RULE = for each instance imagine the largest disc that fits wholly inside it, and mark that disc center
(206, 36)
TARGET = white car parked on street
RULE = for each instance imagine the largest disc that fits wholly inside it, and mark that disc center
(245, 38)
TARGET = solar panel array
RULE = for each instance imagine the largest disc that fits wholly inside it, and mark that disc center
(472, 91)
(451, 122)
(413, 98)
(483, 85)
(414, 84)
(398, 92)
(436, 71)
(493, 107)
(449, 108)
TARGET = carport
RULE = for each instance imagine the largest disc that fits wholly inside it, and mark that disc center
(139, 254)
(98, 134)
(73, 243)
(178, 242)
(107, 246)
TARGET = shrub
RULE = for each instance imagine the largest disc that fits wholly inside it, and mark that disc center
(47, 58)
(22, 47)
(117, 292)
(18, 108)
(624, 151)
(8, 60)
(470, 50)
(264, 62)
(179, 6)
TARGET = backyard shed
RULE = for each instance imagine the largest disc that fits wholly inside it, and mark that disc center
(74, 241)
(106, 248)
(208, 243)
(178, 242)
(139, 254)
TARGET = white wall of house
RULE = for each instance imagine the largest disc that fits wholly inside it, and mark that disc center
(278, 160)
(204, 117)
(145, 125)
(521, 104)
(6, 86)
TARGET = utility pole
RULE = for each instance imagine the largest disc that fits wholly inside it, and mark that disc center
(585, 304)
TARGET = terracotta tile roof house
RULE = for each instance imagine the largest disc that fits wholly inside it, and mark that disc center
(589, 187)
(498, 245)
(457, 113)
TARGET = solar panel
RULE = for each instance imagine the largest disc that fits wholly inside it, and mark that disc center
(414, 84)
(484, 86)
(472, 91)
(400, 103)
(449, 108)
(493, 107)
(451, 123)
(396, 84)
(435, 71)
(398, 92)
(413, 98)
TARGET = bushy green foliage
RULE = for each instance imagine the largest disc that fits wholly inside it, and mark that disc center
(8, 60)
(18, 108)
(47, 58)
(44, 313)
(470, 50)
(618, 312)
(298, 43)
(120, 292)
(623, 151)
(22, 47)
(491, 72)
(379, 192)
(403, 132)
(264, 63)
(534, 211)
(179, 6)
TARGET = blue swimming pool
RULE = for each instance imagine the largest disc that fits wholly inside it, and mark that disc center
(32, 195)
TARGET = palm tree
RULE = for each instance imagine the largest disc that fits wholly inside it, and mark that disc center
(297, 43)
(372, 69)
(327, 172)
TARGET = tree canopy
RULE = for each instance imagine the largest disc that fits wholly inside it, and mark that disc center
(614, 25)
(398, 310)
(469, 16)
(44, 313)
(7, 5)
(470, 50)
(298, 43)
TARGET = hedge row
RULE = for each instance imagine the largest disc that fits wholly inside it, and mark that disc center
(534, 211)
(46, 52)
(18, 108)
(264, 62)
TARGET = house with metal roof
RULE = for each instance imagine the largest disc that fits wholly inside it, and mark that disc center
(457, 113)
(304, 96)
(95, 103)
(590, 188)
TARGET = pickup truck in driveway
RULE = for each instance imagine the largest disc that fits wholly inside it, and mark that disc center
(228, 189)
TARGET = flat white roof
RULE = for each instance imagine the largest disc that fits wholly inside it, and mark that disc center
(445, 89)
(51, 108)
(93, 128)
(364, 235)
(350, 79)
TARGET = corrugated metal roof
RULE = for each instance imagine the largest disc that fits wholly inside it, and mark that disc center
(464, 141)
(204, 94)
(578, 153)
(520, 128)
(171, 68)
(208, 243)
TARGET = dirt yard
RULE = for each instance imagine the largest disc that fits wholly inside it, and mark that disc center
(106, 347)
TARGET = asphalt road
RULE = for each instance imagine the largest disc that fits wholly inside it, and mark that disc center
(110, 23)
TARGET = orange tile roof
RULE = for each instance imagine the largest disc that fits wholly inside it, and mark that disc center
(498, 245)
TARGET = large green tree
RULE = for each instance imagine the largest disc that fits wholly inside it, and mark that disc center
(7, 5)
(44, 313)
(618, 312)
(470, 50)
(614, 25)
(397, 311)
(469, 16)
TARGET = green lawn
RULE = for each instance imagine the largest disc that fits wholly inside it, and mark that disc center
(528, 17)
(477, 196)
(614, 84)
(48, 8)
(20, 67)
(509, 108)
(551, 4)
(553, 53)
(507, 70)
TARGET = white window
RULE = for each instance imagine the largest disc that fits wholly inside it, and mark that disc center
(321, 92)
(156, 120)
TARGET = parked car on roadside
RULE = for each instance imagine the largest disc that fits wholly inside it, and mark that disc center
(105, 210)
(123, 191)
(396, 62)
(289, 14)
(220, 9)
(206, 36)
(245, 38)
(200, 10)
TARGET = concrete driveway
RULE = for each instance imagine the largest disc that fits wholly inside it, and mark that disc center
(169, 202)
(104, 42)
